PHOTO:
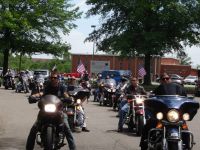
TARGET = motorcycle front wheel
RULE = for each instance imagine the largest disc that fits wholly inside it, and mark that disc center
(139, 125)
(48, 145)
(174, 145)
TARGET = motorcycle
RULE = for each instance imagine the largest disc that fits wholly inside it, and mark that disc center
(86, 85)
(9, 82)
(108, 92)
(37, 85)
(50, 134)
(135, 118)
(22, 85)
(74, 109)
(171, 114)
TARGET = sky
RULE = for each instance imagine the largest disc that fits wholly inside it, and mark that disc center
(77, 36)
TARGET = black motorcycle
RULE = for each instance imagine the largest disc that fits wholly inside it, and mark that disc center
(51, 129)
(37, 85)
(9, 82)
(74, 108)
(171, 131)
(108, 92)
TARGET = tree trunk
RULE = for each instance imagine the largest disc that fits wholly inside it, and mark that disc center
(5, 61)
(147, 77)
(20, 62)
(6, 50)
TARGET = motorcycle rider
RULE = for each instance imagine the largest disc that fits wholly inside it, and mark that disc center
(23, 78)
(132, 89)
(99, 89)
(85, 76)
(166, 87)
(54, 88)
(120, 89)
(81, 114)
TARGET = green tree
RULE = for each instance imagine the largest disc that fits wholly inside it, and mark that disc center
(34, 25)
(184, 59)
(63, 65)
(152, 27)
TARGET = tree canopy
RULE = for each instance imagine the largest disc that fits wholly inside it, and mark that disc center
(33, 26)
(152, 27)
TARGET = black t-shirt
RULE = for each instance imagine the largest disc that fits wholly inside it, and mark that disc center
(135, 90)
(55, 90)
(170, 89)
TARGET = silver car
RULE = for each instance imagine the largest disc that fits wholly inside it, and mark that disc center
(190, 80)
(176, 79)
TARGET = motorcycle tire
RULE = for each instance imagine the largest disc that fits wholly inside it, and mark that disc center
(48, 144)
(174, 145)
(139, 124)
(130, 124)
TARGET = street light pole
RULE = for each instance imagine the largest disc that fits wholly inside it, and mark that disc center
(93, 26)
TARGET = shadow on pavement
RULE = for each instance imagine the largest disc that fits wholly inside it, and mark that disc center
(12, 144)
(125, 132)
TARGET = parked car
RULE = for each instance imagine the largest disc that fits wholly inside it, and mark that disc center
(176, 78)
(190, 80)
(44, 72)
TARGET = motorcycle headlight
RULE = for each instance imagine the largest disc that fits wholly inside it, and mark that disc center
(139, 100)
(78, 101)
(159, 115)
(186, 116)
(173, 116)
(109, 90)
(50, 108)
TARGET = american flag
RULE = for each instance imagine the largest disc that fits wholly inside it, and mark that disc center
(141, 71)
(80, 67)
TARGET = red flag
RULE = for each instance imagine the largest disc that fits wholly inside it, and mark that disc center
(80, 67)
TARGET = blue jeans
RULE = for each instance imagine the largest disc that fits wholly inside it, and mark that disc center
(122, 114)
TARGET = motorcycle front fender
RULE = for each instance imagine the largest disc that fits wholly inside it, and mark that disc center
(139, 112)
(173, 134)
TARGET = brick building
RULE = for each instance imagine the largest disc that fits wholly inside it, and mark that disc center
(158, 65)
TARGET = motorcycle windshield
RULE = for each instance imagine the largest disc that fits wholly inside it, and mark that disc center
(40, 79)
(110, 82)
(165, 103)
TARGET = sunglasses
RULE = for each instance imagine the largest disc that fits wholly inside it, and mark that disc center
(165, 79)
(54, 78)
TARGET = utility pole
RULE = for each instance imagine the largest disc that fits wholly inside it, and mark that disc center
(93, 26)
